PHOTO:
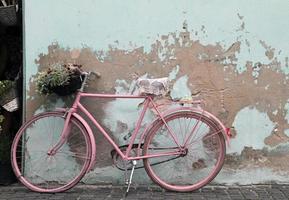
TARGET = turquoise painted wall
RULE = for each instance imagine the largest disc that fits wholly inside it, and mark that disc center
(251, 32)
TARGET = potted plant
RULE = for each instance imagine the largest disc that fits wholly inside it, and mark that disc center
(8, 95)
(8, 12)
(60, 79)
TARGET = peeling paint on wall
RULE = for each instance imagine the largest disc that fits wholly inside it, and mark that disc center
(239, 69)
(173, 74)
(180, 88)
(286, 110)
(251, 127)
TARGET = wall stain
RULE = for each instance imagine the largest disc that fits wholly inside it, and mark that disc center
(218, 83)
(269, 50)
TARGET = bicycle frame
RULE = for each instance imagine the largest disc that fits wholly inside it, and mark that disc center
(181, 132)
(147, 100)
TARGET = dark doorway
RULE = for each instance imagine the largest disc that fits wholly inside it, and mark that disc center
(11, 65)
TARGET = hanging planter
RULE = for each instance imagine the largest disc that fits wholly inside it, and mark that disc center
(62, 80)
(70, 88)
(8, 95)
(8, 12)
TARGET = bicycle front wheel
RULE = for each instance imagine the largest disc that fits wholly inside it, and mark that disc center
(41, 171)
(201, 142)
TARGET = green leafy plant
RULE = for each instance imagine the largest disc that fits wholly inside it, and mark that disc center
(5, 86)
(55, 77)
(1, 121)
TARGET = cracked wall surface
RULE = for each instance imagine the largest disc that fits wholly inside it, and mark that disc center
(240, 72)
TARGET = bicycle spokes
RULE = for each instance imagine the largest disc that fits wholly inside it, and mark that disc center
(201, 153)
(41, 166)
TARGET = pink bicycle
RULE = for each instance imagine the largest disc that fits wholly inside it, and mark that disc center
(52, 151)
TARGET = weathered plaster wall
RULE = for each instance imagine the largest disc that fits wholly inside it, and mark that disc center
(232, 54)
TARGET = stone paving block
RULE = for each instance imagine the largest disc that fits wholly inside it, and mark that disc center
(249, 195)
(266, 192)
(224, 198)
(236, 198)
(220, 191)
(233, 191)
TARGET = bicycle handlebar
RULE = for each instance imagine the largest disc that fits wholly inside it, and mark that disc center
(86, 77)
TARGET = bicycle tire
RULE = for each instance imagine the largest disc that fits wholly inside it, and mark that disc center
(41, 172)
(202, 160)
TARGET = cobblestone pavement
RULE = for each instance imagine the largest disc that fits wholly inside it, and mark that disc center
(107, 192)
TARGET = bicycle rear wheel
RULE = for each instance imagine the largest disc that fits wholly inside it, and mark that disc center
(201, 159)
(57, 172)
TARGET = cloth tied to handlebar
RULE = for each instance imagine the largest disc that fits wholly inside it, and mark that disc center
(159, 86)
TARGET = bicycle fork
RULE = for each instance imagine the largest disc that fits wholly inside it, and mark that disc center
(63, 136)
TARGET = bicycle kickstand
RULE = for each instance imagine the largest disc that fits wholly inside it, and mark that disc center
(134, 162)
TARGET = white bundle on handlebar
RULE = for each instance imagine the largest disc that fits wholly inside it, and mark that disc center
(159, 86)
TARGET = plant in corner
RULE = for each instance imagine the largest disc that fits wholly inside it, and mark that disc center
(59, 79)
(5, 85)
(8, 95)
(6, 173)
(1, 121)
